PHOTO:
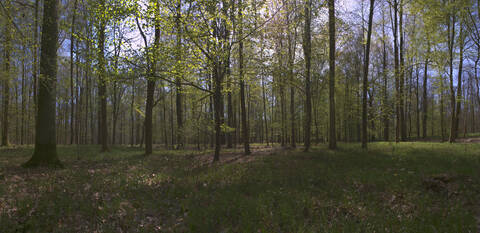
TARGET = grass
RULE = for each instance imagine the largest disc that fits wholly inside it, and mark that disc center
(406, 187)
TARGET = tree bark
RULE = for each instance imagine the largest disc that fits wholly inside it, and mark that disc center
(332, 141)
(451, 44)
(102, 83)
(6, 82)
(245, 128)
(45, 152)
(178, 84)
(425, 96)
(72, 99)
(307, 48)
(365, 77)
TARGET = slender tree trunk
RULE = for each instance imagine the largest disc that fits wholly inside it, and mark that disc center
(307, 48)
(6, 81)
(264, 99)
(403, 126)
(24, 97)
(151, 88)
(102, 85)
(385, 112)
(245, 128)
(459, 85)
(45, 152)
(217, 102)
(425, 96)
(132, 115)
(398, 101)
(365, 78)
(230, 119)
(178, 84)
(72, 99)
(451, 44)
(331, 29)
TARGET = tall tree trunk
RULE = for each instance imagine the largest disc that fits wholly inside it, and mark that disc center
(459, 84)
(245, 128)
(332, 142)
(102, 84)
(151, 87)
(398, 101)
(217, 102)
(264, 98)
(24, 98)
(72, 99)
(292, 36)
(385, 112)
(6, 81)
(365, 78)
(45, 152)
(425, 95)
(403, 126)
(178, 84)
(451, 44)
(35, 55)
(230, 120)
(307, 50)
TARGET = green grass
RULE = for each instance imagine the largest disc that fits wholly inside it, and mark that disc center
(348, 190)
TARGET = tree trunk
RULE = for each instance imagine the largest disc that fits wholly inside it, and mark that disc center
(386, 112)
(6, 82)
(151, 88)
(45, 152)
(365, 78)
(459, 85)
(403, 126)
(72, 99)
(178, 84)
(451, 44)
(332, 140)
(307, 48)
(102, 85)
(425, 96)
(245, 128)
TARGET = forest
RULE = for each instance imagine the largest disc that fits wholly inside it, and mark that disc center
(239, 116)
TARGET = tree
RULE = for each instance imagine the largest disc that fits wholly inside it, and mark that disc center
(307, 48)
(8, 62)
(332, 140)
(365, 77)
(245, 130)
(45, 152)
(72, 99)
(102, 79)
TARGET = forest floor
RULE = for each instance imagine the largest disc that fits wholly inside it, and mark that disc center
(406, 187)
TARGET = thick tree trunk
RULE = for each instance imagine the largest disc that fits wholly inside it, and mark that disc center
(45, 152)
